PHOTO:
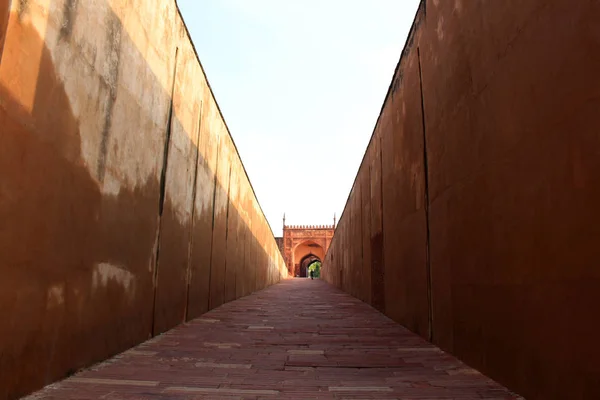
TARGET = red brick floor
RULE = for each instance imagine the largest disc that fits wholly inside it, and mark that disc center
(300, 339)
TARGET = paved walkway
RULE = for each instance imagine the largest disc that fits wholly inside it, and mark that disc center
(300, 339)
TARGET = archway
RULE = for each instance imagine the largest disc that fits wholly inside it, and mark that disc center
(306, 253)
(306, 262)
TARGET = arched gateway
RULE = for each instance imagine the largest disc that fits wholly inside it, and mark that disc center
(302, 245)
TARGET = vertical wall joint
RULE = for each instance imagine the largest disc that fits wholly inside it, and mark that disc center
(163, 178)
(426, 178)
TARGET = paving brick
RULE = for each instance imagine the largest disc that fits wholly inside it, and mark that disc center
(264, 346)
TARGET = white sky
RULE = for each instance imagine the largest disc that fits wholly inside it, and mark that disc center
(300, 84)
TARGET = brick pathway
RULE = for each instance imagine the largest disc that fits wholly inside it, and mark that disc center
(300, 339)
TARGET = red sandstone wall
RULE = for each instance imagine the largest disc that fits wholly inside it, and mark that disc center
(124, 206)
(490, 238)
(4, 14)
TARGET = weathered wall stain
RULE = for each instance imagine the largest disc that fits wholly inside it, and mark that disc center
(113, 41)
(68, 19)
(22, 7)
(79, 243)
(486, 154)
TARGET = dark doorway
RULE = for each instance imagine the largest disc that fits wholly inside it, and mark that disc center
(305, 263)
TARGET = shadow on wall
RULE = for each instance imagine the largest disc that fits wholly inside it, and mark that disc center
(78, 266)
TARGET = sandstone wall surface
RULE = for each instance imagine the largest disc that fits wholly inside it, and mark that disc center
(124, 206)
(474, 217)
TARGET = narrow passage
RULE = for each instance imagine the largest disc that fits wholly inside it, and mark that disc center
(300, 339)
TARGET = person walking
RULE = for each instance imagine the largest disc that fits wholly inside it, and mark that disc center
(312, 274)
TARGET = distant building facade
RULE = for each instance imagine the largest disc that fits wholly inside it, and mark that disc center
(301, 245)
